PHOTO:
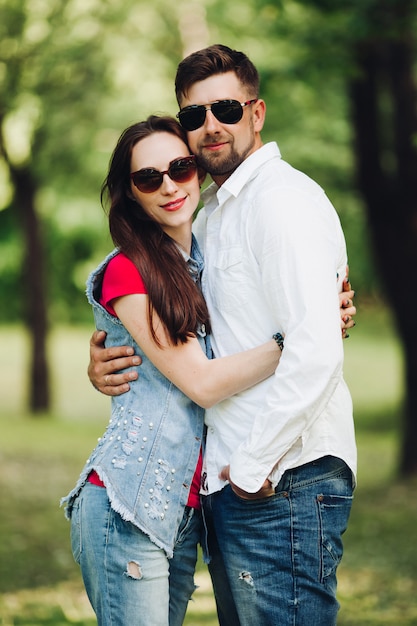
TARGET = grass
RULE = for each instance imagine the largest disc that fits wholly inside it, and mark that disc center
(40, 459)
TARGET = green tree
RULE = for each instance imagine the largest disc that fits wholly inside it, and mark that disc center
(47, 91)
(353, 66)
(73, 73)
(383, 99)
(377, 51)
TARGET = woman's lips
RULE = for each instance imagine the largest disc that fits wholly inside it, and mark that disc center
(174, 205)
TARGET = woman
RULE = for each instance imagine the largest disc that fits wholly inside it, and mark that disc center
(134, 512)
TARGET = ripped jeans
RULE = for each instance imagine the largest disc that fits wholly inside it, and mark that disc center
(274, 560)
(128, 579)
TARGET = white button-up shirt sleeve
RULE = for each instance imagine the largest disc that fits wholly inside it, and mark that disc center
(275, 258)
(296, 239)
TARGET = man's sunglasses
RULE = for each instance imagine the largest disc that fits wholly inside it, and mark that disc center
(226, 111)
(149, 179)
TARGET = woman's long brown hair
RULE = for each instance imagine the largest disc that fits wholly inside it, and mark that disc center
(173, 294)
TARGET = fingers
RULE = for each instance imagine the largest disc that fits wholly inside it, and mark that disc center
(97, 339)
(346, 298)
(264, 492)
(113, 391)
(106, 363)
(347, 317)
(119, 356)
(116, 384)
(104, 375)
(348, 322)
(225, 473)
(346, 281)
(348, 309)
(98, 351)
(348, 312)
(345, 334)
(109, 378)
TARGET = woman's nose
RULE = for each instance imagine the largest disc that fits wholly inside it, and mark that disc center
(168, 185)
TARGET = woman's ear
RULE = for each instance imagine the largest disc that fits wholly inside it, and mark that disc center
(130, 194)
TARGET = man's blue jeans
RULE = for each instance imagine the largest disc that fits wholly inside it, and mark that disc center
(274, 560)
(128, 579)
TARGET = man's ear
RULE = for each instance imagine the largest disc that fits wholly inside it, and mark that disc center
(258, 113)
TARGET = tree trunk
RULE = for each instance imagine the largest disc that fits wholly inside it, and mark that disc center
(34, 288)
(384, 105)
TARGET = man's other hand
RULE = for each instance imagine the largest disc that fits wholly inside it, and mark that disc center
(106, 362)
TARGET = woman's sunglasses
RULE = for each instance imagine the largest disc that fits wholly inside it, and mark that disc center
(149, 179)
(226, 111)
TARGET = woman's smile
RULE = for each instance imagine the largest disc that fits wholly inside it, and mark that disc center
(174, 205)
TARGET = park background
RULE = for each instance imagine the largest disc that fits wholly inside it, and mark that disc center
(339, 82)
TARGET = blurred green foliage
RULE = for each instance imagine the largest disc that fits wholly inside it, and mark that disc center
(73, 74)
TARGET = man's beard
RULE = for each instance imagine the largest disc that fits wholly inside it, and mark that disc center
(220, 165)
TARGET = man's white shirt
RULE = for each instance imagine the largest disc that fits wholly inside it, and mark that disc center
(275, 258)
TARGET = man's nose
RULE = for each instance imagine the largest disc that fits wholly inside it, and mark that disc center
(211, 123)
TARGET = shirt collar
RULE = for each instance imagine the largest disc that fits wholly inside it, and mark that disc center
(234, 184)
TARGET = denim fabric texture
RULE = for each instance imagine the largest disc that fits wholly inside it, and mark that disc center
(182, 565)
(279, 555)
(128, 579)
(148, 454)
(136, 539)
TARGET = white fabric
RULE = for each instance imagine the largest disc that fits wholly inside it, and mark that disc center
(275, 258)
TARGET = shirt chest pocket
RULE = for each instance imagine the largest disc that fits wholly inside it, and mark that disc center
(229, 285)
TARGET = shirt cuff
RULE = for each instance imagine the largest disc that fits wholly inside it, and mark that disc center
(246, 473)
(249, 474)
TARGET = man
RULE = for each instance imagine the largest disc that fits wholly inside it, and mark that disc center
(280, 458)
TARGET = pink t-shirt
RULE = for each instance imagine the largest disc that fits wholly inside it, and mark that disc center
(122, 278)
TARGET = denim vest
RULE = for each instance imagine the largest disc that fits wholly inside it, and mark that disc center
(149, 451)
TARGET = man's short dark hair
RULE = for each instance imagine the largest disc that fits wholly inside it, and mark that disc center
(216, 59)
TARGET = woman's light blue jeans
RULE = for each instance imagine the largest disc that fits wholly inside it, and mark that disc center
(128, 579)
(274, 560)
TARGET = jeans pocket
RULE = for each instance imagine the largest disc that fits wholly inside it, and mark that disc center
(334, 514)
(76, 544)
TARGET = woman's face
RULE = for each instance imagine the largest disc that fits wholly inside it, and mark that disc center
(173, 204)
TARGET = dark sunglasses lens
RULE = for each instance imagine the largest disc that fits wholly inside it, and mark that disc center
(182, 170)
(228, 112)
(192, 117)
(147, 180)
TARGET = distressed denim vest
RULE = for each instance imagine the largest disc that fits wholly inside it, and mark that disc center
(149, 451)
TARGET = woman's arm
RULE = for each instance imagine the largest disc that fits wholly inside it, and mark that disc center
(203, 380)
(105, 363)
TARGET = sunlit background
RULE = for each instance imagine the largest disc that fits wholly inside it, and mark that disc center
(73, 75)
